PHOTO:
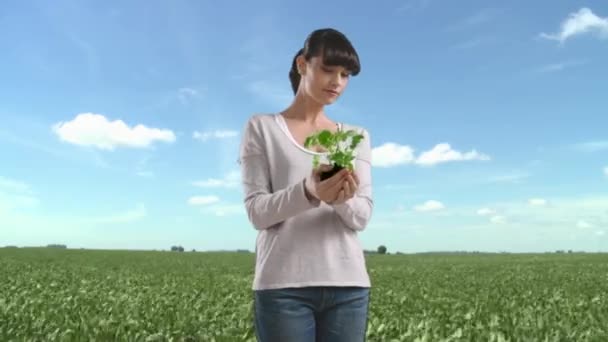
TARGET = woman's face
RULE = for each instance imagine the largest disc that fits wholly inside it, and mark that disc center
(324, 83)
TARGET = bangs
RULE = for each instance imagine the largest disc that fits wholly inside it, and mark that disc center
(341, 55)
(334, 49)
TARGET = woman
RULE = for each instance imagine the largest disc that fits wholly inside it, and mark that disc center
(311, 282)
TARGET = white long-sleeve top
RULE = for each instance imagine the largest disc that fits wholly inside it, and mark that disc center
(301, 242)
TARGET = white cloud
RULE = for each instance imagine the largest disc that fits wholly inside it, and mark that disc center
(606, 171)
(498, 219)
(600, 233)
(89, 129)
(391, 154)
(430, 205)
(578, 23)
(203, 200)
(218, 134)
(443, 152)
(537, 202)
(582, 224)
(485, 212)
(230, 180)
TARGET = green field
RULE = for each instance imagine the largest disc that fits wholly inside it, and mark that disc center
(86, 295)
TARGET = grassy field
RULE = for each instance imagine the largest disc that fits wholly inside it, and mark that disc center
(87, 295)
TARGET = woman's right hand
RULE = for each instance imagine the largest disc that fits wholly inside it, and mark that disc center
(328, 189)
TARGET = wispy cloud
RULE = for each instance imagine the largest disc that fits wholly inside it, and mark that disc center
(186, 95)
(271, 93)
(498, 219)
(606, 171)
(218, 134)
(230, 180)
(578, 23)
(225, 209)
(399, 186)
(555, 67)
(213, 205)
(515, 177)
(537, 202)
(413, 5)
(392, 154)
(494, 216)
(95, 130)
(145, 174)
(473, 43)
(591, 146)
(582, 224)
(565, 213)
(136, 214)
(203, 200)
(430, 205)
(485, 212)
(15, 195)
(13, 185)
(141, 168)
(90, 54)
(478, 18)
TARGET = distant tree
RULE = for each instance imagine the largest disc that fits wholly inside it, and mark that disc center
(381, 249)
(193, 250)
(177, 248)
(54, 245)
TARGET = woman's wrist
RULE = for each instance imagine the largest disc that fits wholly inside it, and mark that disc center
(308, 192)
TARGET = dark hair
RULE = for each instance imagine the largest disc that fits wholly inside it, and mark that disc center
(334, 48)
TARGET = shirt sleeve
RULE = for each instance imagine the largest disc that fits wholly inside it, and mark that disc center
(265, 207)
(357, 211)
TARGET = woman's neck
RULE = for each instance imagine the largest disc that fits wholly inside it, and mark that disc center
(305, 109)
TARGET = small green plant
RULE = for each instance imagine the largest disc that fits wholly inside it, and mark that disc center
(339, 146)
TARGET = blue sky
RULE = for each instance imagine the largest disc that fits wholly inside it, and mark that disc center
(121, 121)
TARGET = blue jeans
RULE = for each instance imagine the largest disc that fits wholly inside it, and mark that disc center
(311, 314)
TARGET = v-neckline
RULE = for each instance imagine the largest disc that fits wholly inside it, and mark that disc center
(283, 125)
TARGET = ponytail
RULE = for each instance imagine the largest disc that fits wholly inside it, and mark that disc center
(294, 75)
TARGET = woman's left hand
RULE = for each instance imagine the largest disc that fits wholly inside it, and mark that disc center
(349, 188)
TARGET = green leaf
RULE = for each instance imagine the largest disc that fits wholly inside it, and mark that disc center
(309, 141)
(356, 140)
(325, 138)
(339, 146)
